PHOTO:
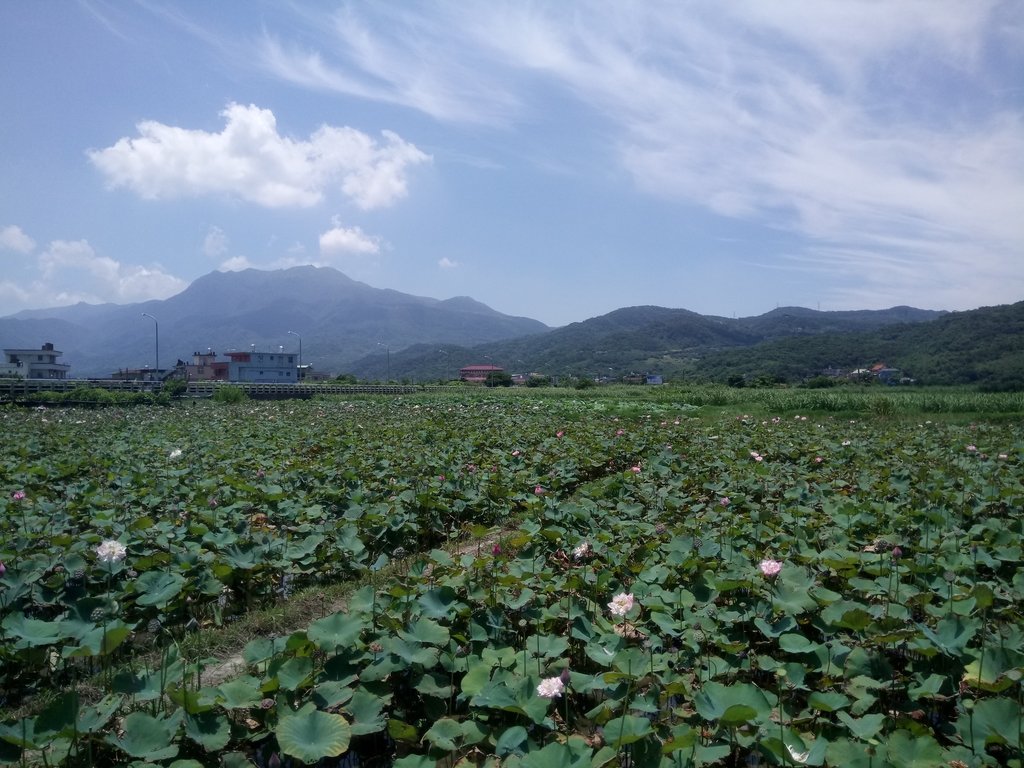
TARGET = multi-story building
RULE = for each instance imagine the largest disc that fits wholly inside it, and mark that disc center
(204, 367)
(34, 363)
(267, 367)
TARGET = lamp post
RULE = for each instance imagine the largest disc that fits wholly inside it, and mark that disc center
(156, 330)
(293, 333)
(387, 348)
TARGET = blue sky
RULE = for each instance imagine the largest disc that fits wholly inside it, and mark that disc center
(552, 159)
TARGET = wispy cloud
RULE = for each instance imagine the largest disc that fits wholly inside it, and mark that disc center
(871, 130)
(250, 160)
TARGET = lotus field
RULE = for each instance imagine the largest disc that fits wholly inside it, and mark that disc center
(534, 581)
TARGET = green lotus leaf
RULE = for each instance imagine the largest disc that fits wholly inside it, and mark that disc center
(158, 587)
(294, 673)
(402, 731)
(336, 631)
(426, 631)
(31, 633)
(992, 721)
(93, 718)
(990, 670)
(740, 702)
(557, 755)
(415, 761)
(513, 741)
(331, 694)
(914, 750)
(365, 710)
(439, 603)
(796, 643)
(310, 735)
(952, 634)
(445, 734)
(240, 693)
(99, 642)
(829, 701)
(864, 728)
(211, 730)
(776, 628)
(59, 719)
(149, 737)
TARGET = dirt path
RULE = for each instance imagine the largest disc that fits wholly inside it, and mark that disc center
(231, 663)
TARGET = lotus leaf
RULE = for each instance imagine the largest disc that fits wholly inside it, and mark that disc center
(240, 693)
(991, 721)
(310, 735)
(366, 709)
(733, 704)
(149, 737)
(211, 730)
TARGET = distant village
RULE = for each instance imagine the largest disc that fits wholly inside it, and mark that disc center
(257, 367)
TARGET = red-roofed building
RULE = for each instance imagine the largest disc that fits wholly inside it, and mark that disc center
(478, 373)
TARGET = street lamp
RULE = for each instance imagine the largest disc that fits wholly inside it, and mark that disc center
(156, 329)
(388, 349)
(293, 333)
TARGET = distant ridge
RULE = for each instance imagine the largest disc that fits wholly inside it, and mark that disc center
(338, 318)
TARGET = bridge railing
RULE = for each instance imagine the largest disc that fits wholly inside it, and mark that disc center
(20, 389)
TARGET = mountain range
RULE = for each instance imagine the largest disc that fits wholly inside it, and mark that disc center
(349, 327)
(338, 319)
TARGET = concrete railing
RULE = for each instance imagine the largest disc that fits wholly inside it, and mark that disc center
(19, 389)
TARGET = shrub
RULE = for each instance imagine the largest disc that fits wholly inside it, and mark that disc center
(229, 394)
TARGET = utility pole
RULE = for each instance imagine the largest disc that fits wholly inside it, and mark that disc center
(156, 328)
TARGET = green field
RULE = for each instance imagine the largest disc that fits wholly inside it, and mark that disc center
(516, 578)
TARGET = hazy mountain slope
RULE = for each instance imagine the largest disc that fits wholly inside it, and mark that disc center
(339, 320)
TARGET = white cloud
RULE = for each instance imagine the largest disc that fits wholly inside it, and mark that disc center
(215, 244)
(445, 263)
(97, 278)
(339, 239)
(235, 264)
(13, 239)
(250, 160)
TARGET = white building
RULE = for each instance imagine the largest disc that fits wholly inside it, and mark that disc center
(265, 367)
(34, 363)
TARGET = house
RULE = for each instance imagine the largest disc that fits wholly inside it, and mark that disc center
(478, 374)
(264, 367)
(204, 367)
(34, 363)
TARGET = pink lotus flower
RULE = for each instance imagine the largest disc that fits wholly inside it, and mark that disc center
(635, 469)
(972, 448)
(515, 452)
(550, 687)
(770, 568)
(539, 490)
(3, 568)
(559, 433)
(818, 459)
(724, 501)
(18, 495)
(620, 432)
(621, 604)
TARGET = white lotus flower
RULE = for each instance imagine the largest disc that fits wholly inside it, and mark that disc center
(550, 688)
(111, 551)
(621, 604)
